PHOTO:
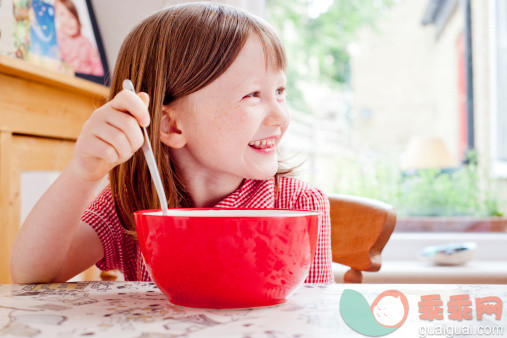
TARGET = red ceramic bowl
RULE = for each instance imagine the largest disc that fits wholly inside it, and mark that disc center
(227, 258)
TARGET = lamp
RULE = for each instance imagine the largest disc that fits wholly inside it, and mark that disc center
(425, 152)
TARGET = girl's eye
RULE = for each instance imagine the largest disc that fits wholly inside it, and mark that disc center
(253, 94)
(280, 91)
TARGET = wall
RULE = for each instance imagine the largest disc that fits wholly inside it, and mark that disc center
(444, 80)
(404, 79)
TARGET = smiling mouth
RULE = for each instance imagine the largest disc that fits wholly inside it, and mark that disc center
(263, 144)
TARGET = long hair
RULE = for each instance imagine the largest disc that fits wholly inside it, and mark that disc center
(169, 55)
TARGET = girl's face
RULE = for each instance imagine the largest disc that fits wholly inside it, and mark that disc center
(232, 127)
(67, 22)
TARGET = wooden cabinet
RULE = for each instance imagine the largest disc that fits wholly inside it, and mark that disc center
(41, 115)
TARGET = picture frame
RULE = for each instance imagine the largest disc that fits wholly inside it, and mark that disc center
(81, 47)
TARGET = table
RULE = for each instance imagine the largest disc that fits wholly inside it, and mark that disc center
(139, 309)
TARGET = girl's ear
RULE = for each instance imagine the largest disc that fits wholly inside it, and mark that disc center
(170, 132)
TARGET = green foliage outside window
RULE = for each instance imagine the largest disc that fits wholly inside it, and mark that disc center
(317, 46)
(464, 191)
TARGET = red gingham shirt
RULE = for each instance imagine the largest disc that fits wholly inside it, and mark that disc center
(123, 253)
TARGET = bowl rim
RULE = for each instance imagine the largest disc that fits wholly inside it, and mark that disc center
(297, 212)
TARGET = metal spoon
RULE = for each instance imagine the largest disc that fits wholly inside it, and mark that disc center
(150, 160)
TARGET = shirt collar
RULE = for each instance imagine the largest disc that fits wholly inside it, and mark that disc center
(251, 194)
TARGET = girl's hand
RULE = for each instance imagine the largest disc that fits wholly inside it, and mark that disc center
(111, 135)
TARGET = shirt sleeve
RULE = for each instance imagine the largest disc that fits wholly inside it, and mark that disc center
(102, 217)
(320, 270)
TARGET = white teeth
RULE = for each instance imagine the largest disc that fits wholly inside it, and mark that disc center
(263, 143)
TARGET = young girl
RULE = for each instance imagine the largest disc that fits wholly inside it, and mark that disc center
(211, 81)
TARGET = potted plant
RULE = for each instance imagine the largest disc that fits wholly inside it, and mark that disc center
(460, 199)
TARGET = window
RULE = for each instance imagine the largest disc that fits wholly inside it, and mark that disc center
(368, 80)
(498, 33)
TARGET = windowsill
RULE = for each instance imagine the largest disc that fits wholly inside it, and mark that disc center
(401, 263)
(419, 272)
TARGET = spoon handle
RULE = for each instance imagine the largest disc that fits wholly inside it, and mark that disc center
(150, 159)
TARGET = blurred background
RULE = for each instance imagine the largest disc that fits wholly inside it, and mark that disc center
(398, 100)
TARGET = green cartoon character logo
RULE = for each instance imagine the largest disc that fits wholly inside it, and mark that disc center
(386, 314)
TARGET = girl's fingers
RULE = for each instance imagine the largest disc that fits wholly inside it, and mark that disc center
(112, 134)
(99, 149)
(115, 138)
(128, 102)
(144, 97)
(129, 126)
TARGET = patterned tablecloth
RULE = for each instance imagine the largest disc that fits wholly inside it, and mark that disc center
(139, 309)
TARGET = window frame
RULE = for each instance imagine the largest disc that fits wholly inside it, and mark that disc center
(499, 166)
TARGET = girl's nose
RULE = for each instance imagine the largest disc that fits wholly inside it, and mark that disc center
(278, 114)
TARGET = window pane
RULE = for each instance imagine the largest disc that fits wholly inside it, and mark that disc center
(502, 79)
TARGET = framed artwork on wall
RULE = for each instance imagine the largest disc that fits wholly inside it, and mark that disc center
(79, 40)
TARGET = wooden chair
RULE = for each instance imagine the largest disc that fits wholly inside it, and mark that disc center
(110, 275)
(360, 228)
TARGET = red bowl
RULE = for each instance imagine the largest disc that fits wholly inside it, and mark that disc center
(227, 258)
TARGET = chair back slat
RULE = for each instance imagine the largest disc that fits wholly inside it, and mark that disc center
(360, 229)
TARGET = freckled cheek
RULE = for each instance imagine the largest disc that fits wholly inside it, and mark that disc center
(220, 120)
(228, 119)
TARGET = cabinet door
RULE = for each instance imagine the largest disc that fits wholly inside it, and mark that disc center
(20, 154)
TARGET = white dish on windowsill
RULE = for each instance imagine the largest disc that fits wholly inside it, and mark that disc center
(450, 253)
(401, 262)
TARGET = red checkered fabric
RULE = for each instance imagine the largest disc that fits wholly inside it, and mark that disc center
(123, 253)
